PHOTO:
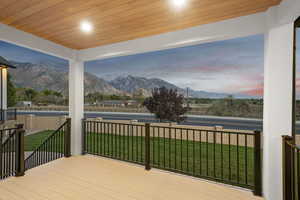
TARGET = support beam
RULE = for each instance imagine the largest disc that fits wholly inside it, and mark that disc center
(17, 37)
(76, 101)
(227, 29)
(278, 100)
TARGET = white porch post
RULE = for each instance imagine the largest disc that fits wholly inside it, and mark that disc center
(76, 101)
(4, 88)
(277, 104)
(3, 98)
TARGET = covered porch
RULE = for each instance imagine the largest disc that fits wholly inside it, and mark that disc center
(87, 177)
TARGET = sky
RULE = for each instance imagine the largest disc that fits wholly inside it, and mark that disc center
(231, 66)
(20, 54)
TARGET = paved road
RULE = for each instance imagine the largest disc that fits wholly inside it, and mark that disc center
(226, 122)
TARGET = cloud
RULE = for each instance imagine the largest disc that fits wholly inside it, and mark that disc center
(253, 89)
(210, 69)
(223, 66)
(259, 92)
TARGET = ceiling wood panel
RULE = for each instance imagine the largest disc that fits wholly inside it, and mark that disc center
(153, 20)
(117, 20)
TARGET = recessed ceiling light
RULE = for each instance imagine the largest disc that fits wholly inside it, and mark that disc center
(179, 3)
(86, 26)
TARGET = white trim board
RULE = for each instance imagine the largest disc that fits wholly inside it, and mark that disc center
(21, 38)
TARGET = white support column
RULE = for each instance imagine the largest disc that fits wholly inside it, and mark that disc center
(4, 88)
(277, 104)
(76, 101)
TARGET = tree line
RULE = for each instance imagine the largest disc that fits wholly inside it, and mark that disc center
(166, 104)
(15, 95)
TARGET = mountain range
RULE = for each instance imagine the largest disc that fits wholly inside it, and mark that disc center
(46, 76)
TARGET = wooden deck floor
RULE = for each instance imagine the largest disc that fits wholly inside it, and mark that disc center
(95, 178)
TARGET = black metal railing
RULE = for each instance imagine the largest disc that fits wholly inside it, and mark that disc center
(226, 156)
(8, 114)
(12, 152)
(115, 140)
(291, 169)
(56, 146)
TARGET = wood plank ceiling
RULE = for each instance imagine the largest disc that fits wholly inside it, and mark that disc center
(117, 20)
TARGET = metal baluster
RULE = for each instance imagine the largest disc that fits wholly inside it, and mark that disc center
(194, 152)
(132, 126)
(200, 151)
(181, 149)
(229, 135)
(175, 147)
(238, 159)
(187, 150)
(158, 140)
(246, 160)
(214, 151)
(164, 129)
(207, 158)
(222, 173)
(170, 135)
(120, 138)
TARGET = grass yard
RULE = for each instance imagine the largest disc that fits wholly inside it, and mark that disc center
(35, 140)
(232, 163)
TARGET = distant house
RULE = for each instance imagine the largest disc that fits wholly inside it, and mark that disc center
(24, 103)
(113, 103)
(131, 103)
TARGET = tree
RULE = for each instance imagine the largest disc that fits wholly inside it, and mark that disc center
(166, 104)
(30, 94)
(47, 92)
(11, 92)
(57, 94)
(94, 98)
(230, 107)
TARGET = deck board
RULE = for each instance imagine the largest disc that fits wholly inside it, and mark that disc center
(93, 178)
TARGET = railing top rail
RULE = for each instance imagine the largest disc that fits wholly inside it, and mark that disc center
(8, 129)
(121, 123)
(206, 129)
(9, 137)
(289, 141)
(178, 127)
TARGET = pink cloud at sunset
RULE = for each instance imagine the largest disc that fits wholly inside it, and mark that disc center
(209, 69)
(253, 89)
(231, 66)
(255, 92)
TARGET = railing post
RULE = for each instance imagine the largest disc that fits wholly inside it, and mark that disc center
(257, 164)
(83, 135)
(147, 146)
(287, 168)
(68, 138)
(15, 114)
(19, 151)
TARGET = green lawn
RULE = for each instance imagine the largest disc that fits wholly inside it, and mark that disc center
(35, 140)
(224, 162)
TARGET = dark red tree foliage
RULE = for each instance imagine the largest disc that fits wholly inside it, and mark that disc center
(166, 104)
